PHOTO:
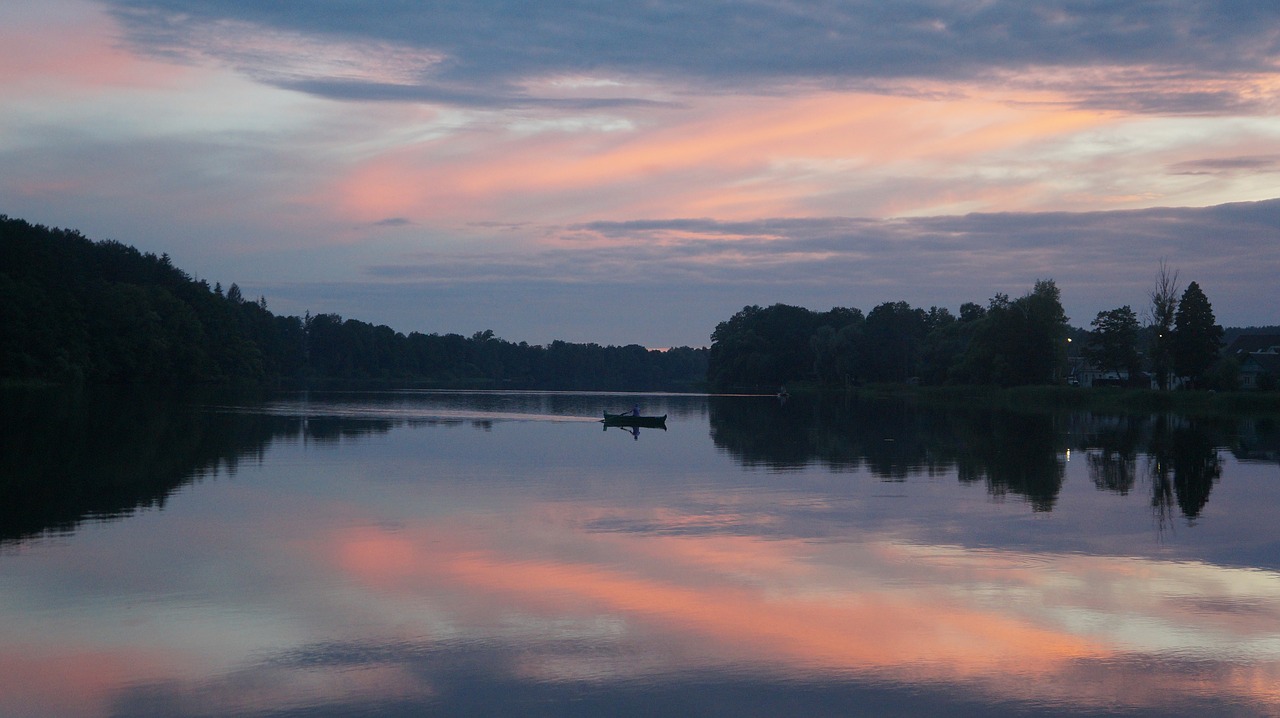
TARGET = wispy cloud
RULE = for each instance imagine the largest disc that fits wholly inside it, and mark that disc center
(821, 250)
(1100, 259)
(1252, 164)
(497, 48)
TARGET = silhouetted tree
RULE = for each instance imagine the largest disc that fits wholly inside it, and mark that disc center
(836, 345)
(1162, 312)
(1196, 338)
(761, 348)
(894, 333)
(1113, 343)
(943, 343)
(1018, 342)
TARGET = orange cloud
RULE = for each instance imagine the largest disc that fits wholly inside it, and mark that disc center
(735, 157)
(871, 630)
(889, 609)
(748, 596)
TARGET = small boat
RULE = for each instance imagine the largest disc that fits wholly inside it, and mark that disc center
(633, 420)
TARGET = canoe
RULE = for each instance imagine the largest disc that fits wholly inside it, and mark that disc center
(633, 420)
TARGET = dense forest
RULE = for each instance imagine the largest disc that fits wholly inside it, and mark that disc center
(76, 310)
(1008, 342)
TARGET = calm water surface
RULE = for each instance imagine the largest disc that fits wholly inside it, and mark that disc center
(459, 554)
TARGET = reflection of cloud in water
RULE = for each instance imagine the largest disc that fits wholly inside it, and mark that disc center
(539, 609)
(380, 584)
(1063, 628)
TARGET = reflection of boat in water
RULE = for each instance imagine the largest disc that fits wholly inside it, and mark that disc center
(634, 420)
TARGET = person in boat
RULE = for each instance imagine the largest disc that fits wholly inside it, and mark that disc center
(635, 410)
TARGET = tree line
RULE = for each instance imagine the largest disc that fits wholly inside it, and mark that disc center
(76, 310)
(1182, 338)
(1008, 342)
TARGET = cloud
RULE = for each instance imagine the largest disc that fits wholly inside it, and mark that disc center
(1229, 165)
(959, 249)
(486, 54)
(693, 599)
(694, 272)
(387, 92)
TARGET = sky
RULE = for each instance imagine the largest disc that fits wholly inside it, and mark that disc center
(637, 172)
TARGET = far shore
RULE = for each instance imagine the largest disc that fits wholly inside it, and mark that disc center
(1107, 399)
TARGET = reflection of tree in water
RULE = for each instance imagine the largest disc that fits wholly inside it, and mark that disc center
(1196, 468)
(69, 457)
(894, 439)
(332, 430)
(1012, 452)
(1184, 464)
(1112, 470)
(763, 433)
(1159, 468)
(1113, 452)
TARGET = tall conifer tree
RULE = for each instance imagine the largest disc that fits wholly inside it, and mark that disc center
(1196, 335)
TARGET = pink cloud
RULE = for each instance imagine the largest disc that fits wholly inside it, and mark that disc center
(732, 157)
(65, 45)
(73, 681)
(882, 608)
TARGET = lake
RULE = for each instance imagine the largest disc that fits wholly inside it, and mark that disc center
(505, 553)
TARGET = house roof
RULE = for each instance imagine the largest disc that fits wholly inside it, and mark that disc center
(1269, 363)
(1251, 343)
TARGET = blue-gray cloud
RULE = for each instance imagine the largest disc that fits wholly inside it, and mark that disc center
(978, 252)
(694, 272)
(1071, 239)
(430, 93)
(1250, 164)
(488, 49)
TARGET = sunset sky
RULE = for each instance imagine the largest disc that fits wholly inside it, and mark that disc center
(637, 172)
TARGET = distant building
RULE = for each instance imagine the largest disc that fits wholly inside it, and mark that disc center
(1259, 358)
(1082, 372)
(1259, 370)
